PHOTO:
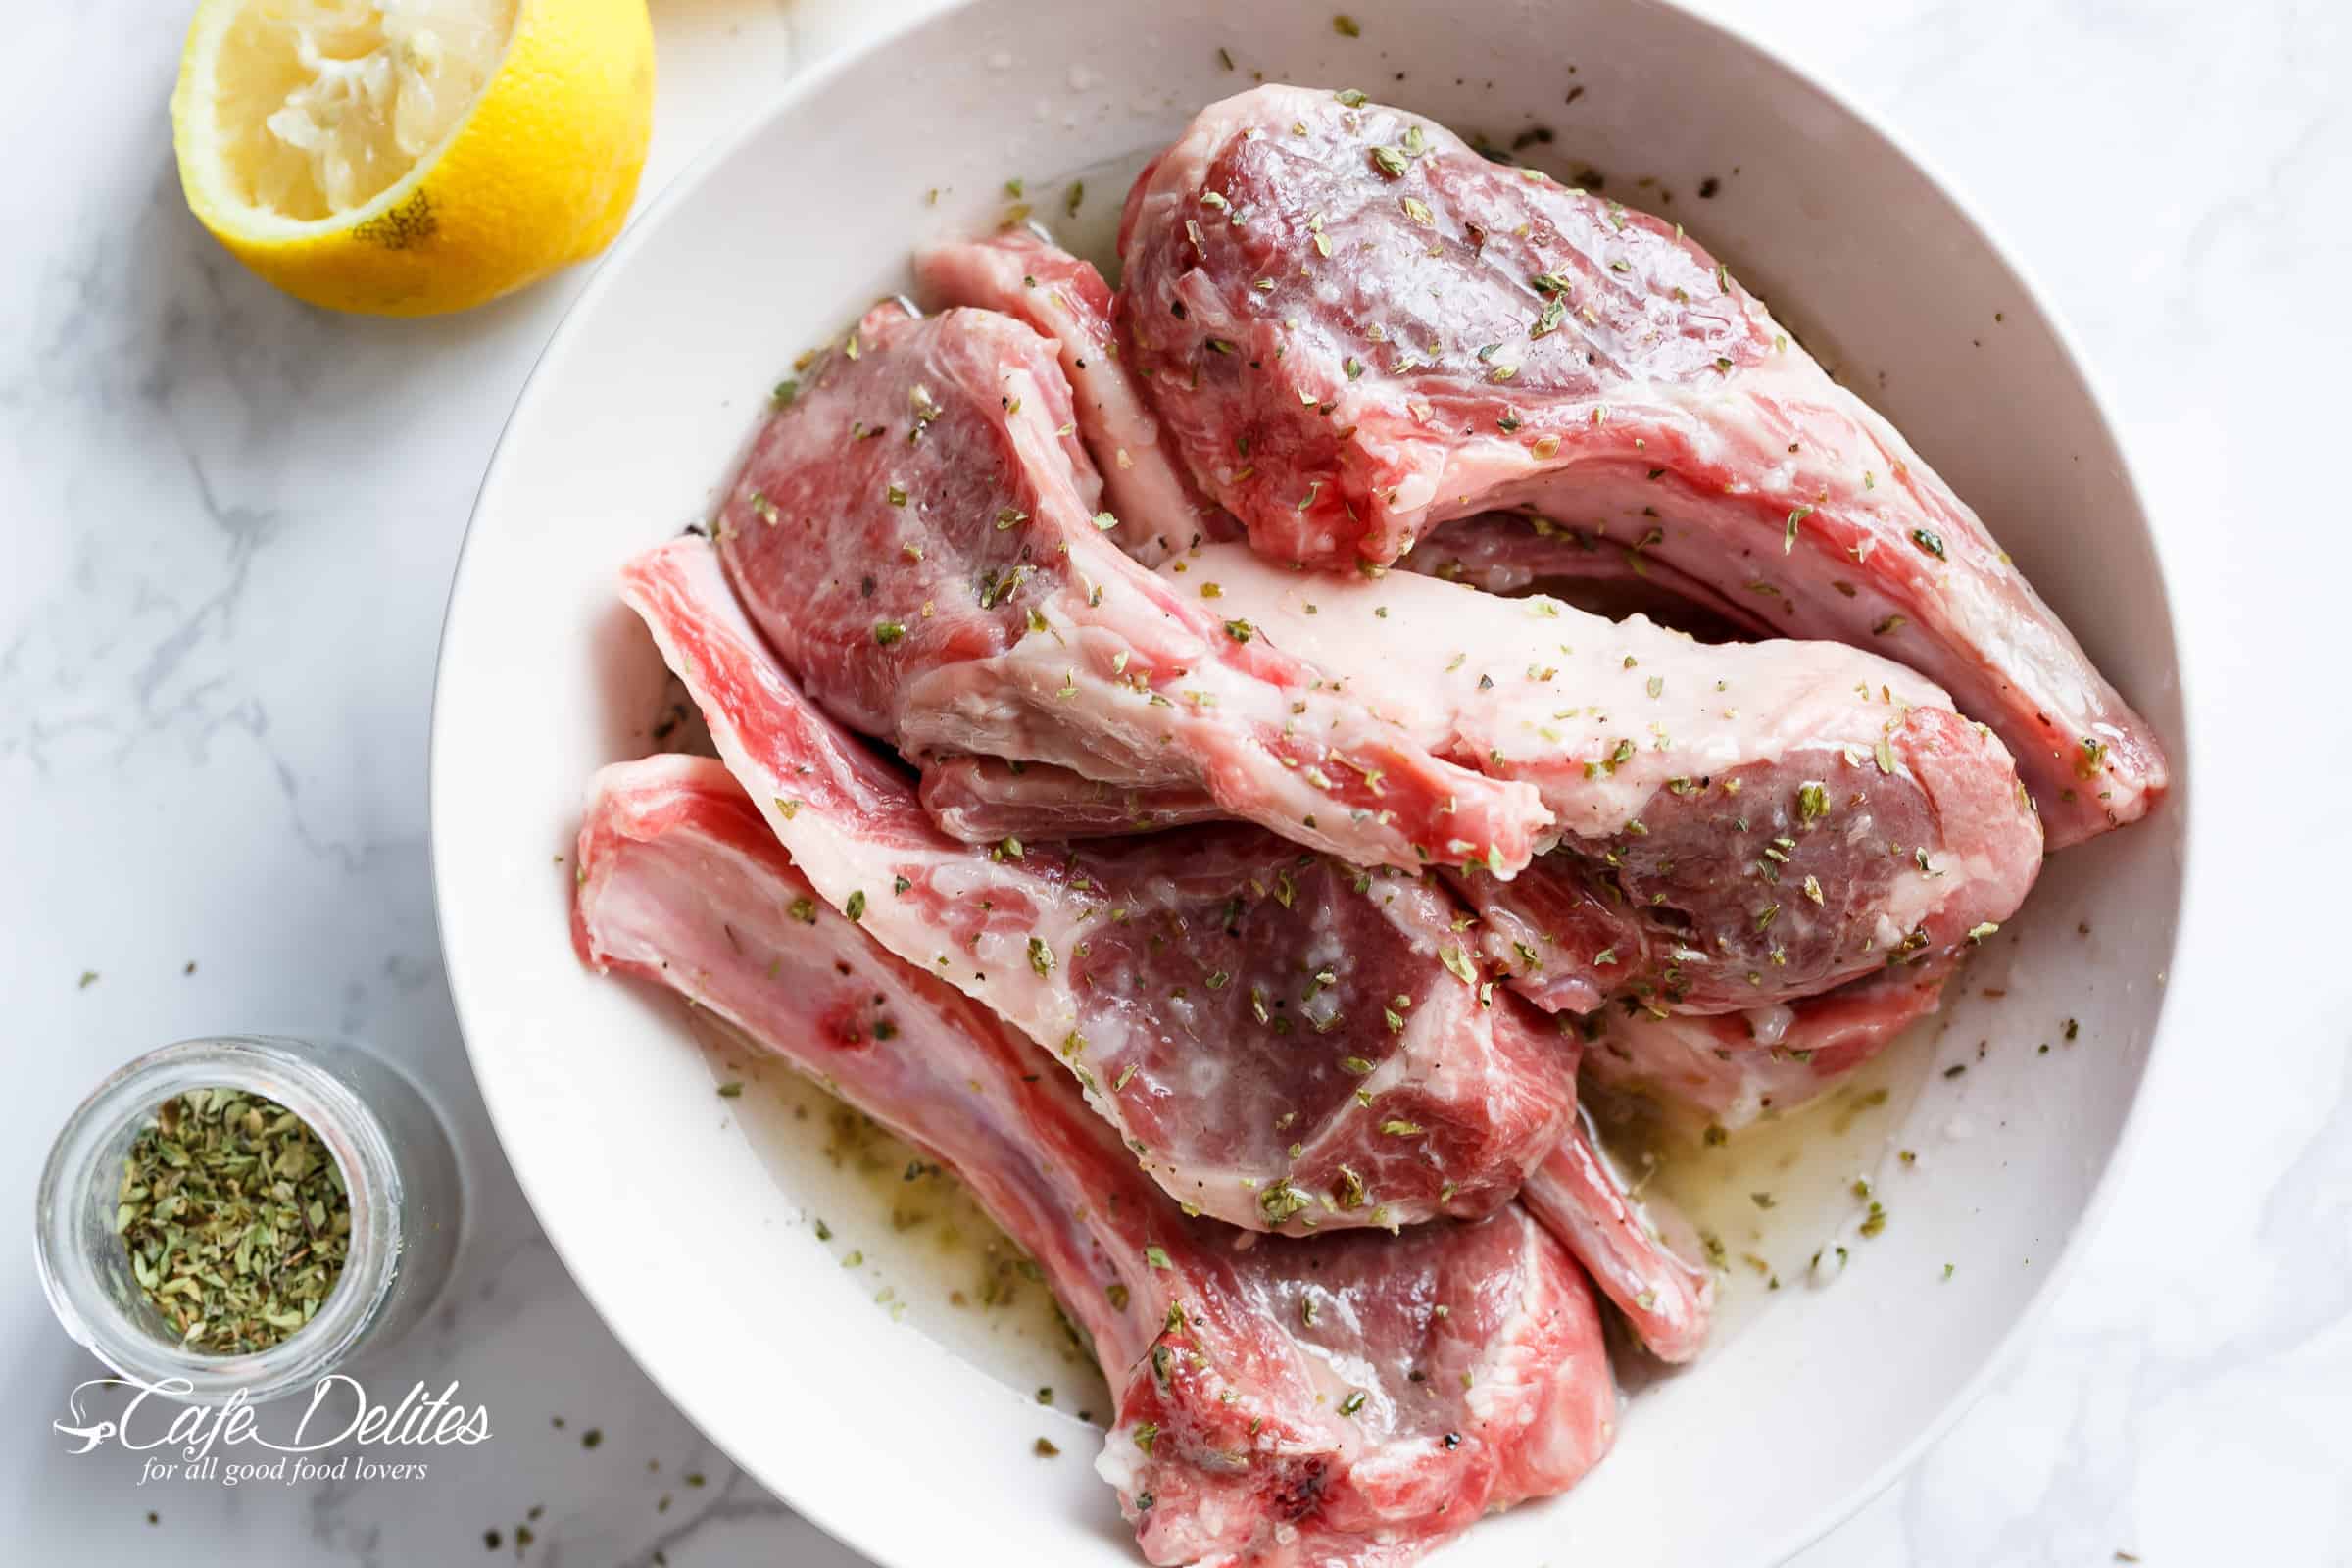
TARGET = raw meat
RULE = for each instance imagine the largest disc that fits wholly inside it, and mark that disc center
(1511, 552)
(1773, 881)
(1024, 273)
(1283, 1040)
(1063, 298)
(1732, 1067)
(1745, 823)
(1668, 1300)
(917, 537)
(1348, 1400)
(985, 799)
(1353, 329)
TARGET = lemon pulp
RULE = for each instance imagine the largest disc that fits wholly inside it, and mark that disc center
(320, 105)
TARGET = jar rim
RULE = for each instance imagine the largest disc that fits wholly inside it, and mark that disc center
(85, 1168)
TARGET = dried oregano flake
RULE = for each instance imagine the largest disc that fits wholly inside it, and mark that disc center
(234, 1218)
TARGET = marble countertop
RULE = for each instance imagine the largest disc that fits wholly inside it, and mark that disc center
(231, 525)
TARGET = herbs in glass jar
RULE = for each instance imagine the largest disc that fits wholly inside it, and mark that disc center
(236, 1219)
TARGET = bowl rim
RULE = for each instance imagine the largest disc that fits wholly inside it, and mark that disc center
(853, 1529)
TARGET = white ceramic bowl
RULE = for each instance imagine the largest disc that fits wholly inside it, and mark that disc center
(693, 1238)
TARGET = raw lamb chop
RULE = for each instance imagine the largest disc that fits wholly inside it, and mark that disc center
(1348, 1400)
(1745, 823)
(1354, 327)
(1026, 275)
(1285, 1041)
(917, 535)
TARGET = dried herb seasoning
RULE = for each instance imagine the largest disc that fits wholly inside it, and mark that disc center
(236, 1219)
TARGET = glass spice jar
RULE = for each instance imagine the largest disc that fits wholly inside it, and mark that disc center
(398, 1167)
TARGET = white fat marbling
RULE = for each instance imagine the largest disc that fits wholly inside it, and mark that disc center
(230, 525)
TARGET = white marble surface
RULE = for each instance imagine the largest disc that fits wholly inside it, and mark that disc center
(231, 523)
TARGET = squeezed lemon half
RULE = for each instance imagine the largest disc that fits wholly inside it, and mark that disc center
(410, 157)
